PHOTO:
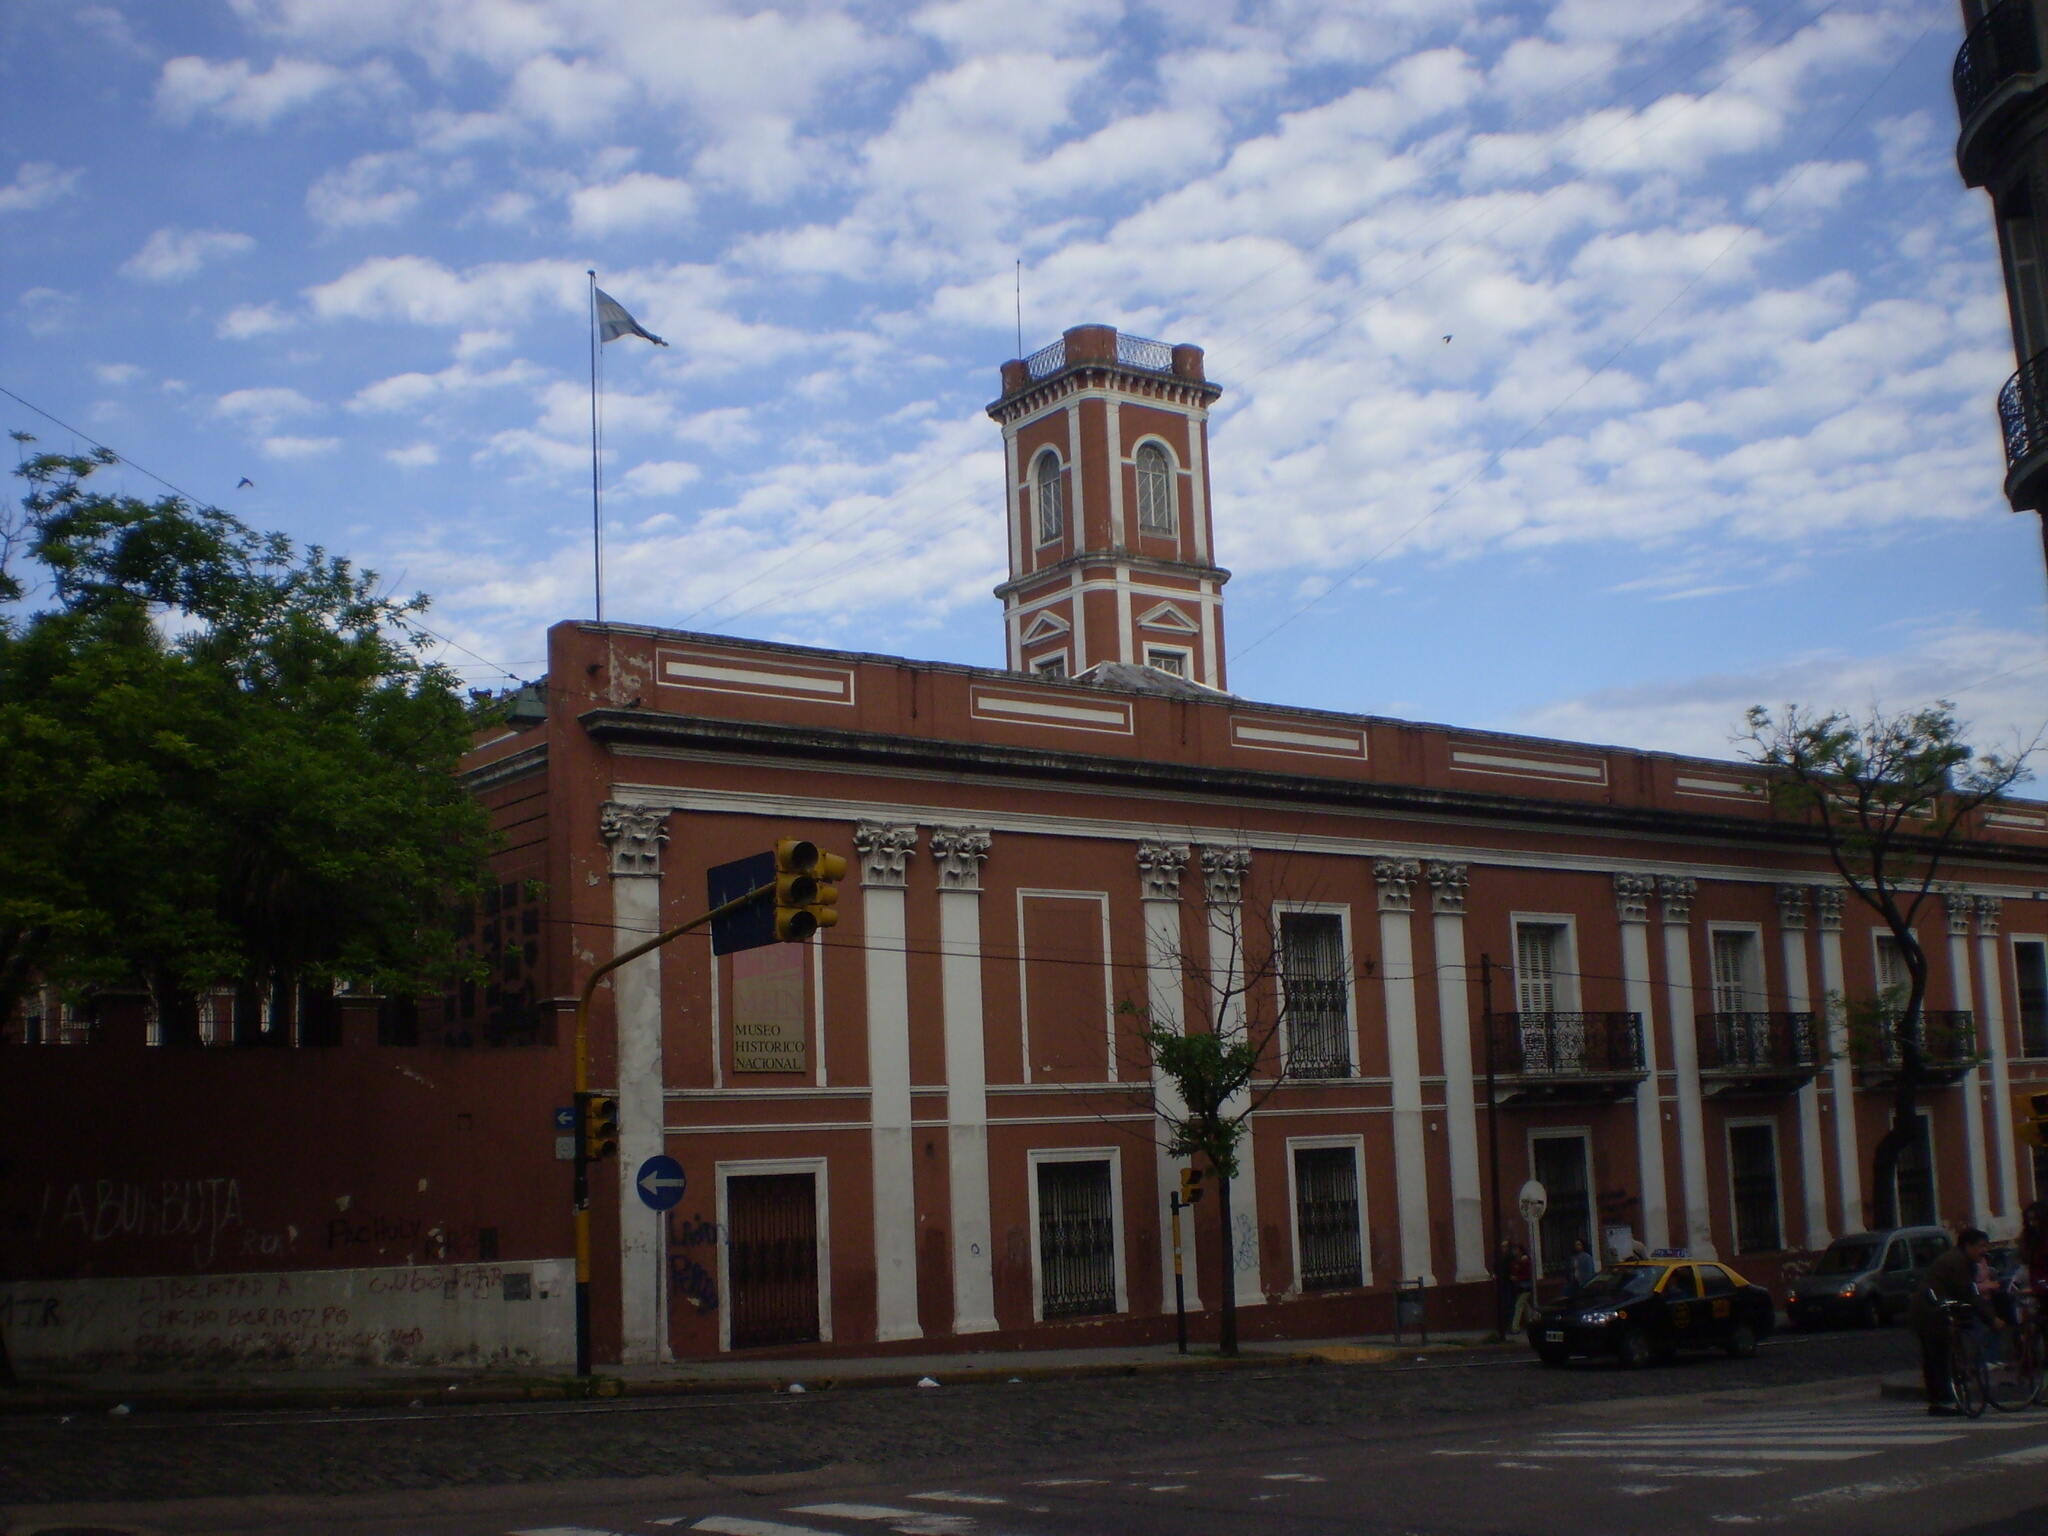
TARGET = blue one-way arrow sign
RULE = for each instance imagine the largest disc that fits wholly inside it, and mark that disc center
(661, 1182)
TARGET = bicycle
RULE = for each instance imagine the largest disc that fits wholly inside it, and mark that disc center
(1966, 1371)
(2014, 1380)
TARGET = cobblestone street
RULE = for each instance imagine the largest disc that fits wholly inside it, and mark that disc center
(981, 1428)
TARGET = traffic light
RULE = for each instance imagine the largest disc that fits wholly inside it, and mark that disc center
(1190, 1185)
(806, 889)
(597, 1116)
(2030, 1116)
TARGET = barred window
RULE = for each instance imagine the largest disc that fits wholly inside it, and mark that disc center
(1049, 493)
(1155, 490)
(1315, 995)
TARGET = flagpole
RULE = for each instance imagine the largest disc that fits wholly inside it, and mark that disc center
(596, 512)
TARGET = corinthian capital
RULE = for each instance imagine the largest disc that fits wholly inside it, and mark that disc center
(960, 852)
(1632, 893)
(1447, 884)
(1678, 892)
(884, 850)
(1159, 868)
(636, 834)
(1223, 872)
(1396, 881)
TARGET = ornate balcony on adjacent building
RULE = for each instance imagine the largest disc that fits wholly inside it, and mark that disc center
(1566, 1056)
(1997, 71)
(1947, 1038)
(1756, 1052)
(2023, 418)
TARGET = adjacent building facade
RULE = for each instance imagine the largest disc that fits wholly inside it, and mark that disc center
(1469, 960)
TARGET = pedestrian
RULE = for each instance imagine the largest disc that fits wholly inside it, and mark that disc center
(1504, 1286)
(2033, 1253)
(1580, 1268)
(1952, 1277)
(1525, 1306)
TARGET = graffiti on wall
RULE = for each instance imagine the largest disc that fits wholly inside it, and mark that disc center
(127, 1210)
(693, 1260)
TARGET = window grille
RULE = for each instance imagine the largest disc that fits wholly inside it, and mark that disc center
(1076, 1239)
(772, 1258)
(1753, 1170)
(2030, 961)
(1173, 663)
(1050, 495)
(1155, 490)
(1315, 994)
(1326, 1217)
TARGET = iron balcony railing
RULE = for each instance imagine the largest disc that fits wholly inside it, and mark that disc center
(1131, 351)
(2023, 410)
(1567, 1044)
(1757, 1042)
(1947, 1037)
(2001, 46)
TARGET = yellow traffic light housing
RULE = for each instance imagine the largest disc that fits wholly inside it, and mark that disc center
(806, 889)
(597, 1117)
(2030, 1117)
(1190, 1185)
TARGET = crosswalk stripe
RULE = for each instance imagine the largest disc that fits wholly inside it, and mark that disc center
(959, 1498)
(1875, 1442)
(860, 1512)
(1680, 1453)
(735, 1525)
(2030, 1453)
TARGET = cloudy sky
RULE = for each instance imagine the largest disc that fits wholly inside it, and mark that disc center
(1592, 369)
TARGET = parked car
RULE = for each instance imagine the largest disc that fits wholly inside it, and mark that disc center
(1865, 1277)
(1649, 1309)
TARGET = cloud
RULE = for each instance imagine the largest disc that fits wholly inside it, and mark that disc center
(171, 255)
(46, 310)
(639, 201)
(657, 478)
(246, 321)
(117, 373)
(420, 291)
(238, 94)
(370, 189)
(290, 448)
(261, 409)
(414, 455)
(411, 392)
(37, 184)
(571, 97)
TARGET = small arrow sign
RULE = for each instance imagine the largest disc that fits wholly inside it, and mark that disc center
(661, 1182)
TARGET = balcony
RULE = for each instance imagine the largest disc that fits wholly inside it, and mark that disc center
(1947, 1038)
(1995, 73)
(1756, 1052)
(1565, 1056)
(2023, 418)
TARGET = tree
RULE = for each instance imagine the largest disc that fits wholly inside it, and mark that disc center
(222, 760)
(1891, 796)
(1216, 1070)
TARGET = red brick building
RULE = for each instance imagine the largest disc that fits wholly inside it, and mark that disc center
(1610, 970)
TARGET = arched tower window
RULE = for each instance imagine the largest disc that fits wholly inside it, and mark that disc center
(1049, 494)
(1155, 490)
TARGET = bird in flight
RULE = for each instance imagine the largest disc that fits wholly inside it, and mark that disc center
(1447, 339)
(246, 484)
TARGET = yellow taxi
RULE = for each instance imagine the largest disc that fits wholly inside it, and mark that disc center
(1649, 1309)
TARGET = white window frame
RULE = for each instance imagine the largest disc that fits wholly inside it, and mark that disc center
(1926, 1120)
(1041, 536)
(1114, 1157)
(724, 1172)
(1882, 943)
(1025, 895)
(1053, 666)
(1310, 1143)
(1564, 965)
(1180, 653)
(1172, 528)
(1342, 912)
(1728, 1130)
(1753, 985)
(1583, 1135)
(2019, 1023)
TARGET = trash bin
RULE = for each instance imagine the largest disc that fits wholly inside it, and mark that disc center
(1408, 1310)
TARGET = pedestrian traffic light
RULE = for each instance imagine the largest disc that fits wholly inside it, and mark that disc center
(2030, 1116)
(806, 889)
(597, 1118)
(1190, 1185)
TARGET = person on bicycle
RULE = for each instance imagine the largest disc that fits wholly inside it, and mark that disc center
(1952, 1277)
(2033, 1250)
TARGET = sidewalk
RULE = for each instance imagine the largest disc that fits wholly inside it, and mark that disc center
(401, 1386)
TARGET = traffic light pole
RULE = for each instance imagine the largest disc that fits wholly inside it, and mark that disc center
(582, 1079)
(1180, 1298)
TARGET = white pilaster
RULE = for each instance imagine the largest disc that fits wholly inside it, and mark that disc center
(1827, 908)
(1159, 871)
(636, 835)
(1223, 872)
(959, 852)
(1632, 893)
(884, 850)
(1677, 892)
(1792, 908)
(1991, 1037)
(1447, 884)
(1396, 881)
(1961, 908)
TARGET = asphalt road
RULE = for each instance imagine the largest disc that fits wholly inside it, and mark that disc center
(1495, 1443)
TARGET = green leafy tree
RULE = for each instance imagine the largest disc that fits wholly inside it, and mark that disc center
(1891, 796)
(222, 759)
